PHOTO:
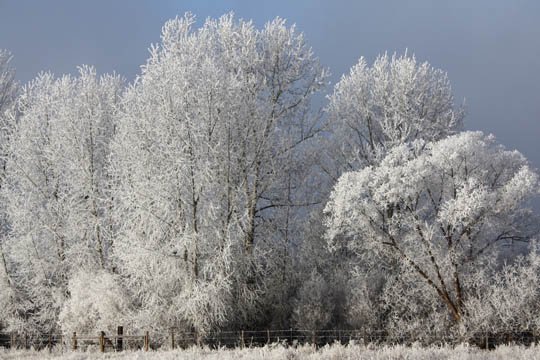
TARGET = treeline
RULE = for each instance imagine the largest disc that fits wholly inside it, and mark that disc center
(210, 194)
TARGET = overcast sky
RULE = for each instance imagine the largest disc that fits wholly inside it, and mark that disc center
(490, 49)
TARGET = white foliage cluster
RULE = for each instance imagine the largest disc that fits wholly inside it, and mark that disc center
(440, 211)
(394, 101)
(97, 302)
(508, 303)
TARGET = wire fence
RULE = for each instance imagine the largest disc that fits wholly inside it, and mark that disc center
(175, 338)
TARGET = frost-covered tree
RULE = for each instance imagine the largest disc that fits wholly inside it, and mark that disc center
(205, 160)
(56, 188)
(8, 92)
(373, 109)
(436, 212)
(394, 101)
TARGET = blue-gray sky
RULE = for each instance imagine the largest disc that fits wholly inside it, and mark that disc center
(490, 49)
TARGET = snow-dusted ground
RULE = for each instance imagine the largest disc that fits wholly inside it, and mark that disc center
(276, 352)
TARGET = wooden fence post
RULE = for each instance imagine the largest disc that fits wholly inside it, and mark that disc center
(146, 340)
(314, 338)
(173, 345)
(268, 336)
(102, 341)
(119, 338)
(74, 341)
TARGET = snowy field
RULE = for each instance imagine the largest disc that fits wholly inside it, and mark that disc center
(333, 352)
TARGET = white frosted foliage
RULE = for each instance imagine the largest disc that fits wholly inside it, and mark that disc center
(438, 210)
(97, 302)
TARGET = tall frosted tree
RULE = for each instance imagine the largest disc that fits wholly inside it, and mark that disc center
(373, 109)
(206, 162)
(8, 92)
(394, 101)
(56, 187)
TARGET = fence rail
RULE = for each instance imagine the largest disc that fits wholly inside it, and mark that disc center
(175, 338)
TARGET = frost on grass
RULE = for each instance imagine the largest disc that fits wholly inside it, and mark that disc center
(278, 352)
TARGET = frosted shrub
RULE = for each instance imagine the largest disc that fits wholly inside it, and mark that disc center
(97, 302)
(363, 303)
(314, 305)
(509, 303)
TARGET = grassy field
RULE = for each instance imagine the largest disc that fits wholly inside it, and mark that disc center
(278, 352)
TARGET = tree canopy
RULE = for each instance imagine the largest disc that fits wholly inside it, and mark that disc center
(211, 193)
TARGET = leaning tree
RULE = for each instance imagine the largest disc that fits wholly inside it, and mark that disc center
(436, 213)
